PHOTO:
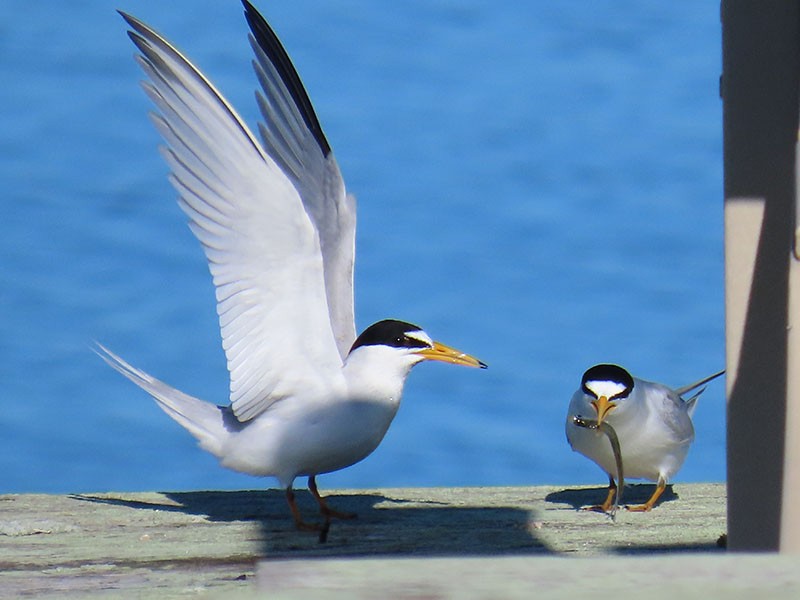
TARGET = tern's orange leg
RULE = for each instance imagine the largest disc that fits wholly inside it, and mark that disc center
(605, 506)
(326, 510)
(298, 520)
(662, 485)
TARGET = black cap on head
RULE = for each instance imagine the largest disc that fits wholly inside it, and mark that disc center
(389, 332)
(613, 373)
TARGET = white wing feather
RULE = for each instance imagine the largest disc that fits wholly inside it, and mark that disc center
(293, 137)
(262, 247)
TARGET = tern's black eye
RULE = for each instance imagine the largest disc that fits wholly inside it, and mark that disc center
(408, 341)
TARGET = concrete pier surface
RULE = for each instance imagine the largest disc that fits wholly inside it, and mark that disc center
(405, 543)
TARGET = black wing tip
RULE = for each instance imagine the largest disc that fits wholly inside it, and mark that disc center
(249, 8)
(266, 39)
(270, 44)
(132, 21)
(143, 37)
(139, 31)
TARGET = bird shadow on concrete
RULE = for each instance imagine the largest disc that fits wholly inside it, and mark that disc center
(713, 546)
(579, 498)
(385, 526)
(702, 541)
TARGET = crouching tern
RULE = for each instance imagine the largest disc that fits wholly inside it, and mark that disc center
(652, 421)
(278, 229)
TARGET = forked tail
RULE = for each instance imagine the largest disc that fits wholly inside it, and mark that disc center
(692, 402)
(202, 419)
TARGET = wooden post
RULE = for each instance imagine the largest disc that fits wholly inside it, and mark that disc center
(760, 107)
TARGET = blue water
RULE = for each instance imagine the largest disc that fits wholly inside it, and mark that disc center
(539, 184)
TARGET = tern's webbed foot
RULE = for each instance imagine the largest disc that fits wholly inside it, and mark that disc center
(329, 512)
(322, 528)
(639, 507)
(607, 507)
(651, 502)
(324, 509)
(601, 508)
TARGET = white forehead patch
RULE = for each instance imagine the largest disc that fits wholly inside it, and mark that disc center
(609, 389)
(420, 336)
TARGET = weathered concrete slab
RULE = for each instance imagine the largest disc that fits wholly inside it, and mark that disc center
(173, 544)
(684, 576)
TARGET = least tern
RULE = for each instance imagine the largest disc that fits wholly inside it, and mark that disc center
(278, 229)
(652, 421)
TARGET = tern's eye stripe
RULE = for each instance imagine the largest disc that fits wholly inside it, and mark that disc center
(396, 334)
(406, 341)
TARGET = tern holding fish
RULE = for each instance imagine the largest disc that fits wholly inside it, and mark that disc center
(652, 423)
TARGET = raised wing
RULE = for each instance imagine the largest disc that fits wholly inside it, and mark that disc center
(262, 247)
(293, 137)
